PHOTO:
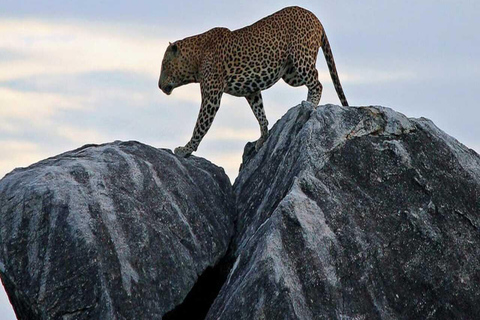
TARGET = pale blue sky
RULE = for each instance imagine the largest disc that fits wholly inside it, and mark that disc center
(75, 72)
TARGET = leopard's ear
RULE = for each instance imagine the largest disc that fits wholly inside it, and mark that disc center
(174, 49)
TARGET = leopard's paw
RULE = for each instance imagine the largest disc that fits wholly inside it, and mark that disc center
(260, 142)
(183, 152)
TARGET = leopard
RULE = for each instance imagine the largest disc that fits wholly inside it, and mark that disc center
(246, 61)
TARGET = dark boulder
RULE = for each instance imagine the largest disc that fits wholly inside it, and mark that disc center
(114, 231)
(355, 213)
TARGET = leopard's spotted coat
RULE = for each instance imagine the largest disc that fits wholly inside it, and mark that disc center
(246, 61)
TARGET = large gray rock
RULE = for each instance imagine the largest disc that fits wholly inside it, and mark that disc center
(344, 213)
(115, 231)
(355, 213)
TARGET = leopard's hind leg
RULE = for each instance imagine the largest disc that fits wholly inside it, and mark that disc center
(302, 71)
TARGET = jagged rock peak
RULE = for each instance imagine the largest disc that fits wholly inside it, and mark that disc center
(355, 213)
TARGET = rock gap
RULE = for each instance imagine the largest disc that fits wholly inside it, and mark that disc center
(198, 301)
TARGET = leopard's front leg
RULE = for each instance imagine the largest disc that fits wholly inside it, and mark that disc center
(255, 101)
(210, 104)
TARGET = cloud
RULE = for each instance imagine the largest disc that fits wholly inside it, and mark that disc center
(230, 162)
(80, 135)
(68, 48)
(225, 133)
(33, 105)
(19, 154)
(372, 76)
(187, 94)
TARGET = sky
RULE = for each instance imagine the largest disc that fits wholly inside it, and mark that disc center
(74, 73)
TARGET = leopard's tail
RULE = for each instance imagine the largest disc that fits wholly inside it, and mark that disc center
(327, 52)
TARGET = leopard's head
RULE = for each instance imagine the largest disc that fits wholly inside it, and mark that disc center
(177, 69)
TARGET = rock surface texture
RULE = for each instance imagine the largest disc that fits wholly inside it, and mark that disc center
(344, 213)
(355, 213)
(115, 231)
